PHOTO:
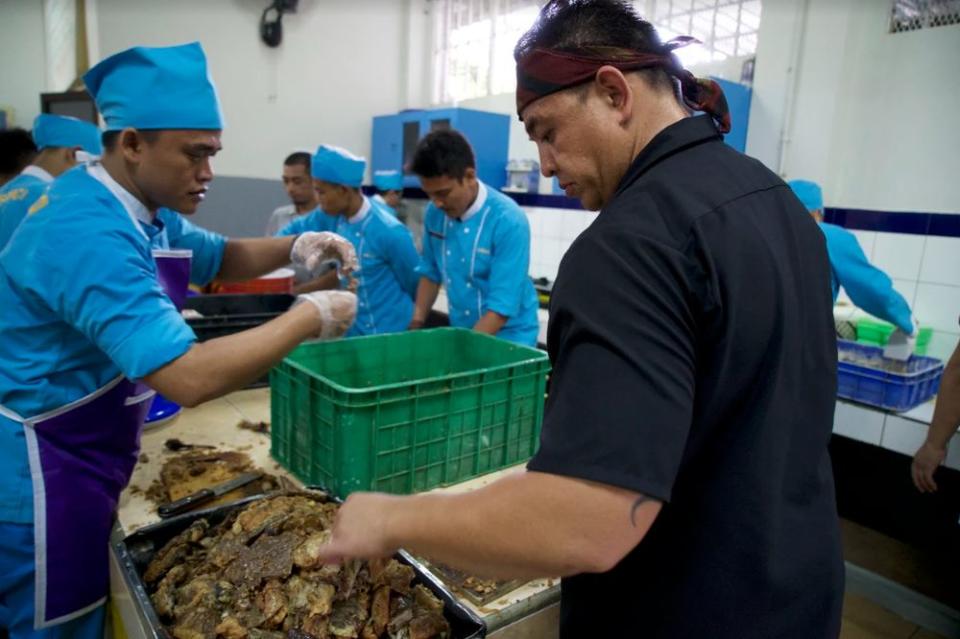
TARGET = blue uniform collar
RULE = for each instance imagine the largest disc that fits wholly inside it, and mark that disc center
(35, 171)
(362, 213)
(477, 203)
(134, 207)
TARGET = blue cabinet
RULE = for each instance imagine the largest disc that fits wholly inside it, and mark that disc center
(395, 138)
(738, 101)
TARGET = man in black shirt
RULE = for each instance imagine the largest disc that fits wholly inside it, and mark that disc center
(683, 486)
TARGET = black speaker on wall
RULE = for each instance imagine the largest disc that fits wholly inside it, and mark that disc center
(271, 21)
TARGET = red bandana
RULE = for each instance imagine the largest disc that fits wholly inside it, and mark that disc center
(544, 72)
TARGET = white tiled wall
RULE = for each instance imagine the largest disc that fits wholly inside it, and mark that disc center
(858, 422)
(887, 430)
(903, 435)
(552, 231)
(941, 261)
(900, 254)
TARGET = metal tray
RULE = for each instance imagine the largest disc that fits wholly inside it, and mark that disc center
(135, 552)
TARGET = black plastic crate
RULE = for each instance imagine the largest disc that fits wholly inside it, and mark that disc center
(229, 314)
(135, 552)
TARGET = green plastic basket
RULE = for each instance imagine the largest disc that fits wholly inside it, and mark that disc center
(406, 412)
(877, 333)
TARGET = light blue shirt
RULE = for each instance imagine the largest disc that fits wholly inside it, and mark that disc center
(868, 287)
(483, 261)
(382, 202)
(316, 220)
(387, 278)
(16, 196)
(82, 305)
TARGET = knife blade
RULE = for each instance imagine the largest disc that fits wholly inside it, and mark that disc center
(207, 494)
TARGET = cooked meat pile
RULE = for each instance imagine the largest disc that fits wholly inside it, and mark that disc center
(257, 575)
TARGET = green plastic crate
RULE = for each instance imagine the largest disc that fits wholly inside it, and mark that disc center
(406, 412)
(877, 333)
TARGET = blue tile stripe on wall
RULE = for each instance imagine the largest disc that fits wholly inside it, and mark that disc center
(941, 224)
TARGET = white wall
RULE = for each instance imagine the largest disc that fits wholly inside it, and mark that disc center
(22, 68)
(869, 114)
(337, 67)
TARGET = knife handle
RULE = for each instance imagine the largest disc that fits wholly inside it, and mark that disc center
(185, 503)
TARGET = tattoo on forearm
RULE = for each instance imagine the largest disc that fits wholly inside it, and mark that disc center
(633, 510)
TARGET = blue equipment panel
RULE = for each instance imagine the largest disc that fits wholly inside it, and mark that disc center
(738, 101)
(395, 138)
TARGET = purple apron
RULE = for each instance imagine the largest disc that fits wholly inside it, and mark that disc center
(173, 272)
(81, 458)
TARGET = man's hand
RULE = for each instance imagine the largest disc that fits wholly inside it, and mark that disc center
(336, 311)
(925, 463)
(312, 250)
(415, 324)
(359, 530)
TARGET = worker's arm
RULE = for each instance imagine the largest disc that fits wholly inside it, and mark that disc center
(946, 420)
(427, 291)
(247, 258)
(401, 255)
(490, 323)
(509, 268)
(868, 287)
(326, 282)
(429, 268)
(216, 367)
(252, 257)
(525, 525)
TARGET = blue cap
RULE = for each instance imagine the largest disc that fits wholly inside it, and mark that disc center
(60, 130)
(156, 88)
(337, 166)
(809, 193)
(388, 180)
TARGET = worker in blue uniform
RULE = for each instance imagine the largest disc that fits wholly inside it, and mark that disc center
(90, 334)
(387, 278)
(476, 243)
(389, 186)
(867, 286)
(62, 141)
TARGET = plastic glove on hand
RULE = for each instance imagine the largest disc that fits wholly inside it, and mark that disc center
(901, 345)
(313, 251)
(336, 309)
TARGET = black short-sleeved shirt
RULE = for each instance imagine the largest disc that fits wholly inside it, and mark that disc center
(694, 357)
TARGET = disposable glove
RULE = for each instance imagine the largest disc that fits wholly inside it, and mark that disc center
(336, 311)
(314, 251)
(901, 345)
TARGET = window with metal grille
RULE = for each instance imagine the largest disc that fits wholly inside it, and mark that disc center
(910, 15)
(473, 46)
(474, 39)
(725, 28)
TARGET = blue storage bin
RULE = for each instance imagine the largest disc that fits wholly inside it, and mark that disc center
(865, 376)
